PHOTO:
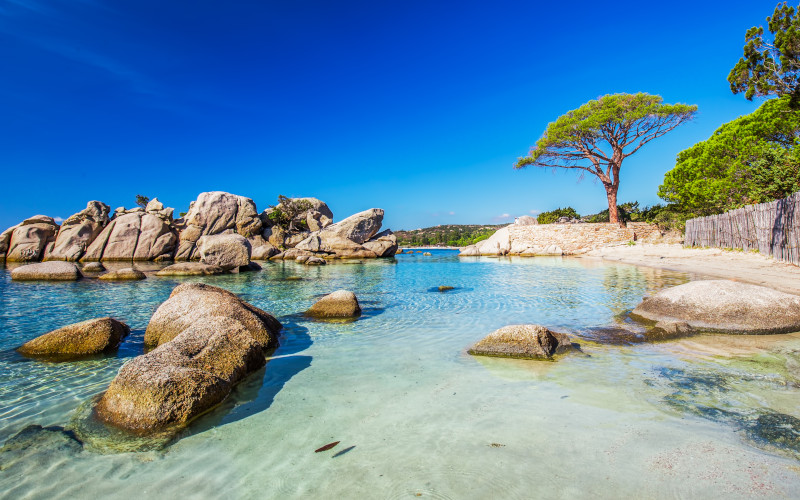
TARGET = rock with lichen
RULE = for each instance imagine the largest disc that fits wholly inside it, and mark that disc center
(208, 340)
(339, 304)
(86, 338)
(522, 341)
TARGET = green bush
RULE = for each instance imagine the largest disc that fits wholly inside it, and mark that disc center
(550, 217)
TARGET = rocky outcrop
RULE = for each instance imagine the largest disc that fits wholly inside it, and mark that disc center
(47, 271)
(78, 340)
(383, 244)
(339, 304)
(79, 231)
(190, 269)
(216, 212)
(526, 220)
(93, 267)
(228, 251)
(136, 234)
(723, 306)
(124, 274)
(32, 239)
(354, 237)
(208, 340)
(522, 341)
(498, 244)
(151, 234)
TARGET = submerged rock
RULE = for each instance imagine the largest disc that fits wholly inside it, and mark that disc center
(315, 261)
(339, 304)
(47, 271)
(93, 267)
(522, 341)
(208, 340)
(190, 269)
(126, 273)
(86, 338)
(724, 306)
(39, 445)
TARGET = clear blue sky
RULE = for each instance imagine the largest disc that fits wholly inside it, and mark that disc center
(418, 107)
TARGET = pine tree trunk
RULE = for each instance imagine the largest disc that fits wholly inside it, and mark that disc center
(611, 192)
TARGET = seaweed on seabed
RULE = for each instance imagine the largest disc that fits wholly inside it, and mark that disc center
(779, 430)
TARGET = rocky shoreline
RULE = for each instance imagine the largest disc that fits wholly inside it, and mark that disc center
(219, 228)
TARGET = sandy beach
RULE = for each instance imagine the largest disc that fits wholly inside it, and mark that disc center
(713, 262)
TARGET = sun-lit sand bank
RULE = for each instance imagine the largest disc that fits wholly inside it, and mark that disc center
(747, 267)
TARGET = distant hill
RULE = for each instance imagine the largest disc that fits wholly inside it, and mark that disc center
(457, 235)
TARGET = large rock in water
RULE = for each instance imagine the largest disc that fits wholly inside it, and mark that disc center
(79, 231)
(74, 341)
(31, 239)
(135, 235)
(208, 341)
(522, 341)
(47, 271)
(724, 306)
(339, 304)
(354, 237)
(228, 251)
(217, 212)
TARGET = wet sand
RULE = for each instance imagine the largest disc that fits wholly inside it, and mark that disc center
(713, 262)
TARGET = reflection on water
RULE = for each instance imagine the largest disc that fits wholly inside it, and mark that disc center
(709, 416)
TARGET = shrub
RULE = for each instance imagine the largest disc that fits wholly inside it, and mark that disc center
(550, 217)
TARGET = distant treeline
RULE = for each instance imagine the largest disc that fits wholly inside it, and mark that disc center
(447, 235)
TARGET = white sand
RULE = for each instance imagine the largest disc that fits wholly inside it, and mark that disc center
(713, 262)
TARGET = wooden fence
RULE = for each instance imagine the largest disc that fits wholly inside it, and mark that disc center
(771, 228)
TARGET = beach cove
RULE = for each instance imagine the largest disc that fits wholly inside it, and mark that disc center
(414, 414)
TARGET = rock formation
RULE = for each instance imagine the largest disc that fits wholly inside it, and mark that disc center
(522, 341)
(208, 340)
(31, 239)
(78, 340)
(79, 231)
(216, 212)
(354, 237)
(228, 251)
(723, 306)
(151, 234)
(136, 234)
(47, 271)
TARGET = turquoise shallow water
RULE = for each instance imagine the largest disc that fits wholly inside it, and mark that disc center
(711, 416)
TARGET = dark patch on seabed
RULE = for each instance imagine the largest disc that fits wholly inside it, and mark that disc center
(711, 395)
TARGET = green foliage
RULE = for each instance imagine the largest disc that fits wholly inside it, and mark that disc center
(446, 235)
(752, 159)
(285, 213)
(666, 217)
(142, 201)
(599, 135)
(771, 64)
(550, 217)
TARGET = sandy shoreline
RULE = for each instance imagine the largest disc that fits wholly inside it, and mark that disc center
(713, 262)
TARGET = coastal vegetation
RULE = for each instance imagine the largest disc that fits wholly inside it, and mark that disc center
(453, 235)
(599, 135)
(755, 158)
(770, 65)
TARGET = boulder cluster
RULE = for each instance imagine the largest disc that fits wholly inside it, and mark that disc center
(220, 229)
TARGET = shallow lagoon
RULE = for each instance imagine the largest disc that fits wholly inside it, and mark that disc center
(710, 416)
